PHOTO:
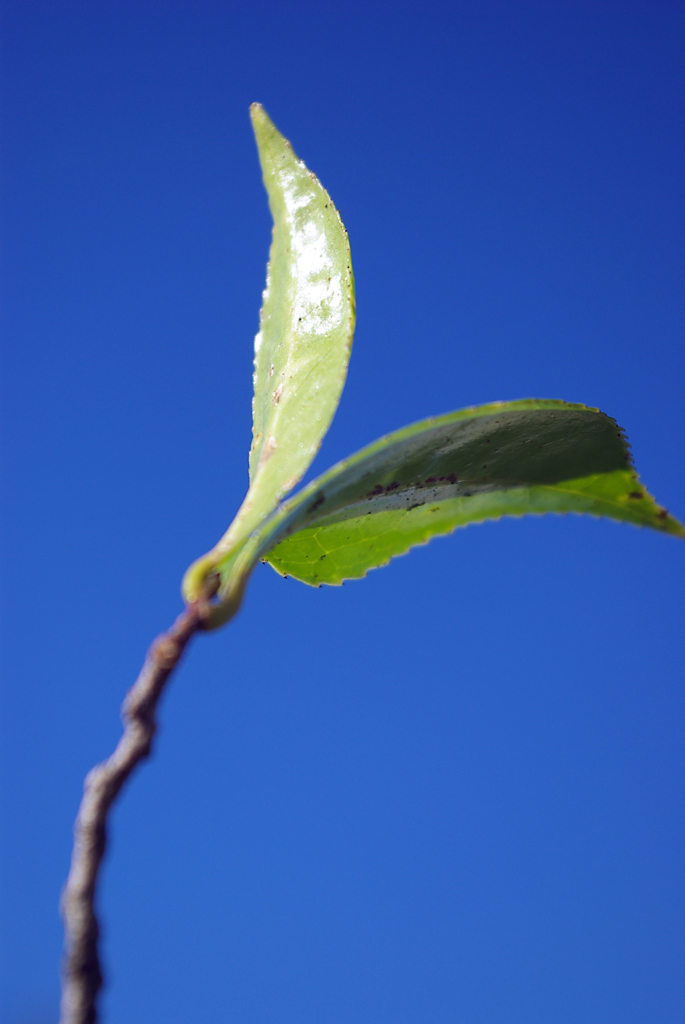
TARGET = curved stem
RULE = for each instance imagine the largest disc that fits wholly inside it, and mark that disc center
(81, 972)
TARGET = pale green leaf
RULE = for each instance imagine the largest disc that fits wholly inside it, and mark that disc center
(307, 320)
(303, 345)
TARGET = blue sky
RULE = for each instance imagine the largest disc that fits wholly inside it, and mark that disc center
(452, 791)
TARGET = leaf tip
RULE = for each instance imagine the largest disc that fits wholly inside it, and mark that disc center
(259, 117)
(669, 524)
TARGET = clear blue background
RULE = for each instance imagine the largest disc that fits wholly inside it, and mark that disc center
(452, 791)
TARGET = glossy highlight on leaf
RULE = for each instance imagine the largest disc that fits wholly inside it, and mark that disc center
(514, 458)
(303, 345)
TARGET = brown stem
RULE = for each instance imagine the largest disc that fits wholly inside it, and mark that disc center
(81, 973)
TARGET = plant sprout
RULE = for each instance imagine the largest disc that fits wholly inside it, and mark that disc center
(507, 458)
